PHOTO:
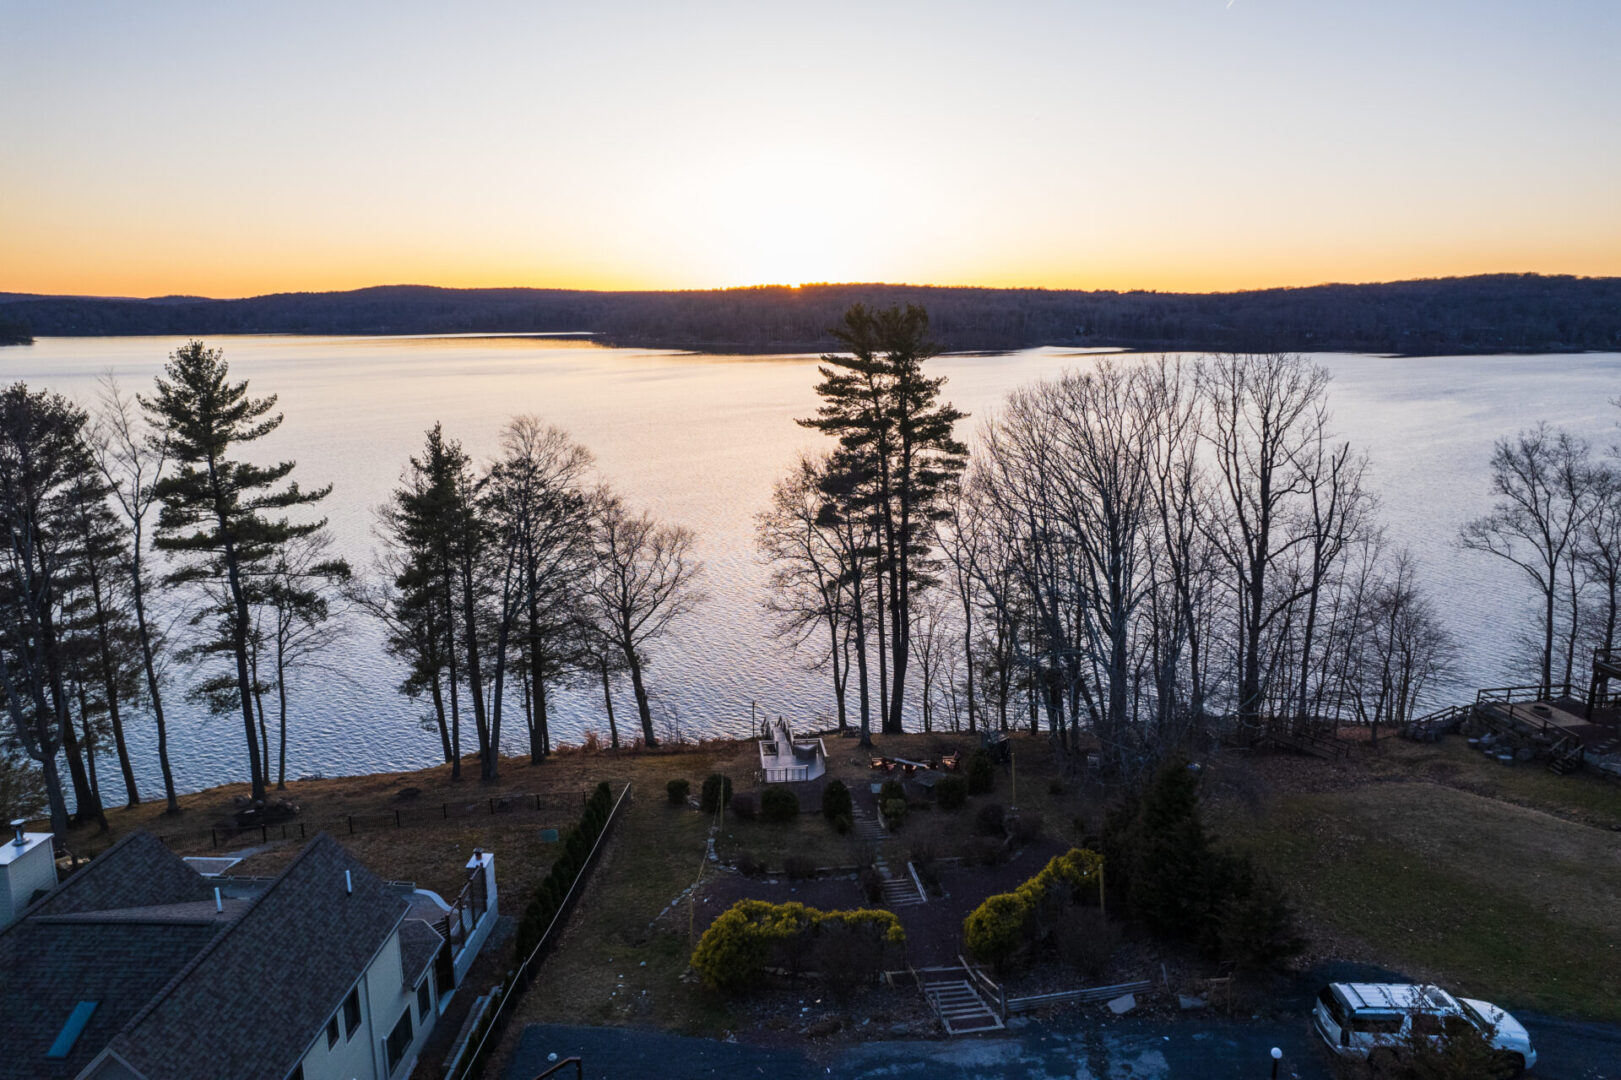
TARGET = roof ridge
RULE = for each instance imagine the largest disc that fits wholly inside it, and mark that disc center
(62, 886)
(224, 932)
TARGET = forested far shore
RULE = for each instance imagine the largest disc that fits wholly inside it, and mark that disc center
(1481, 314)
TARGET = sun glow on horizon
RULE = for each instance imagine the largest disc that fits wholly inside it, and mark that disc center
(712, 146)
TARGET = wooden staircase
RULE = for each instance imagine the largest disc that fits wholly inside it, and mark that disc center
(1432, 726)
(952, 995)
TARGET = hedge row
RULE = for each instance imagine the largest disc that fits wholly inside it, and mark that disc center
(998, 927)
(745, 938)
(548, 898)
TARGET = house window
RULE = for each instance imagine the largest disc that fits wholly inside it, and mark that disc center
(399, 1041)
(424, 999)
(332, 1032)
(351, 1012)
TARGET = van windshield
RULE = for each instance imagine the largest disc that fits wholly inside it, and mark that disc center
(1331, 1003)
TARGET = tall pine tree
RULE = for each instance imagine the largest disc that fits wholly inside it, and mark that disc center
(220, 516)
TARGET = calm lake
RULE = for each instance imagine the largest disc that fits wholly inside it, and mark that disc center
(699, 440)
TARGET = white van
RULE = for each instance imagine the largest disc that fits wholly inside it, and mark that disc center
(1356, 1019)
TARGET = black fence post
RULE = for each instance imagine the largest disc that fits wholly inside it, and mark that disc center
(492, 806)
(213, 838)
(264, 832)
(444, 811)
(396, 819)
(301, 830)
(351, 824)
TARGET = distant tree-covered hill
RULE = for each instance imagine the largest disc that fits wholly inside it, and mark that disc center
(1500, 312)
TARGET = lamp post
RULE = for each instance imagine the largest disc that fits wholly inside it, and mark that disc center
(1277, 1056)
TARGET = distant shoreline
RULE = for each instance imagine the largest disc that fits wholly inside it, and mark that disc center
(1488, 314)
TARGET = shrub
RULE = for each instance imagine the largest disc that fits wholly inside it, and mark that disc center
(981, 773)
(1256, 929)
(895, 813)
(983, 851)
(547, 900)
(847, 958)
(779, 805)
(872, 883)
(836, 801)
(678, 790)
(1086, 940)
(799, 867)
(891, 789)
(996, 929)
(743, 806)
(734, 951)
(993, 931)
(1177, 884)
(1027, 827)
(717, 792)
(843, 824)
(990, 820)
(950, 792)
(748, 865)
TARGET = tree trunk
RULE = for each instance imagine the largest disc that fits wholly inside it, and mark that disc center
(608, 700)
(643, 708)
(109, 679)
(475, 684)
(281, 709)
(833, 658)
(439, 714)
(150, 666)
(455, 693)
(883, 658)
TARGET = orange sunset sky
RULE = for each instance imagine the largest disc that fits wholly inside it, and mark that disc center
(236, 149)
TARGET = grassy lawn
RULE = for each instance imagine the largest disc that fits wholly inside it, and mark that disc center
(1493, 898)
(1583, 795)
(619, 962)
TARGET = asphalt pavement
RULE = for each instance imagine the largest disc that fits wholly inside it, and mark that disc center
(1079, 1047)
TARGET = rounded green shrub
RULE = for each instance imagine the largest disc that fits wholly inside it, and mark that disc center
(981, 773)
(779, 805)
(716, 793)
(843, 824)
(836, 800)
(993, 931)
(678, 790)
(895, 812)
(950, 792)
(892, 789)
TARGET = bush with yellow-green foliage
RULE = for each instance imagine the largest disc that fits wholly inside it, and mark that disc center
(1005, 922)
(752, 935)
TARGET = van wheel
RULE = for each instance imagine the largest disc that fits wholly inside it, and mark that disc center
(1509, 1064)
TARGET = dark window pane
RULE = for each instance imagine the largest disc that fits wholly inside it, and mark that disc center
(399, 1041)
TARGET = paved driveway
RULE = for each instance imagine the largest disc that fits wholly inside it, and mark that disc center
(1076, 1048)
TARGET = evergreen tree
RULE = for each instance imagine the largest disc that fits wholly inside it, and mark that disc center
(219, 514)
(886, 414)
(41, 458)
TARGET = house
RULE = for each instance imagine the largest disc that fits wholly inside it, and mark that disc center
(782, 760)
(138, 967)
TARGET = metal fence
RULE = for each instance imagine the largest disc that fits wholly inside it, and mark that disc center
(517, 804)
(520, 980)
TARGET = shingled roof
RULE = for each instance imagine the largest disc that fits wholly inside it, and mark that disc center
(251, 1001)
(62, 952)
(136, 871)
(182, 990)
